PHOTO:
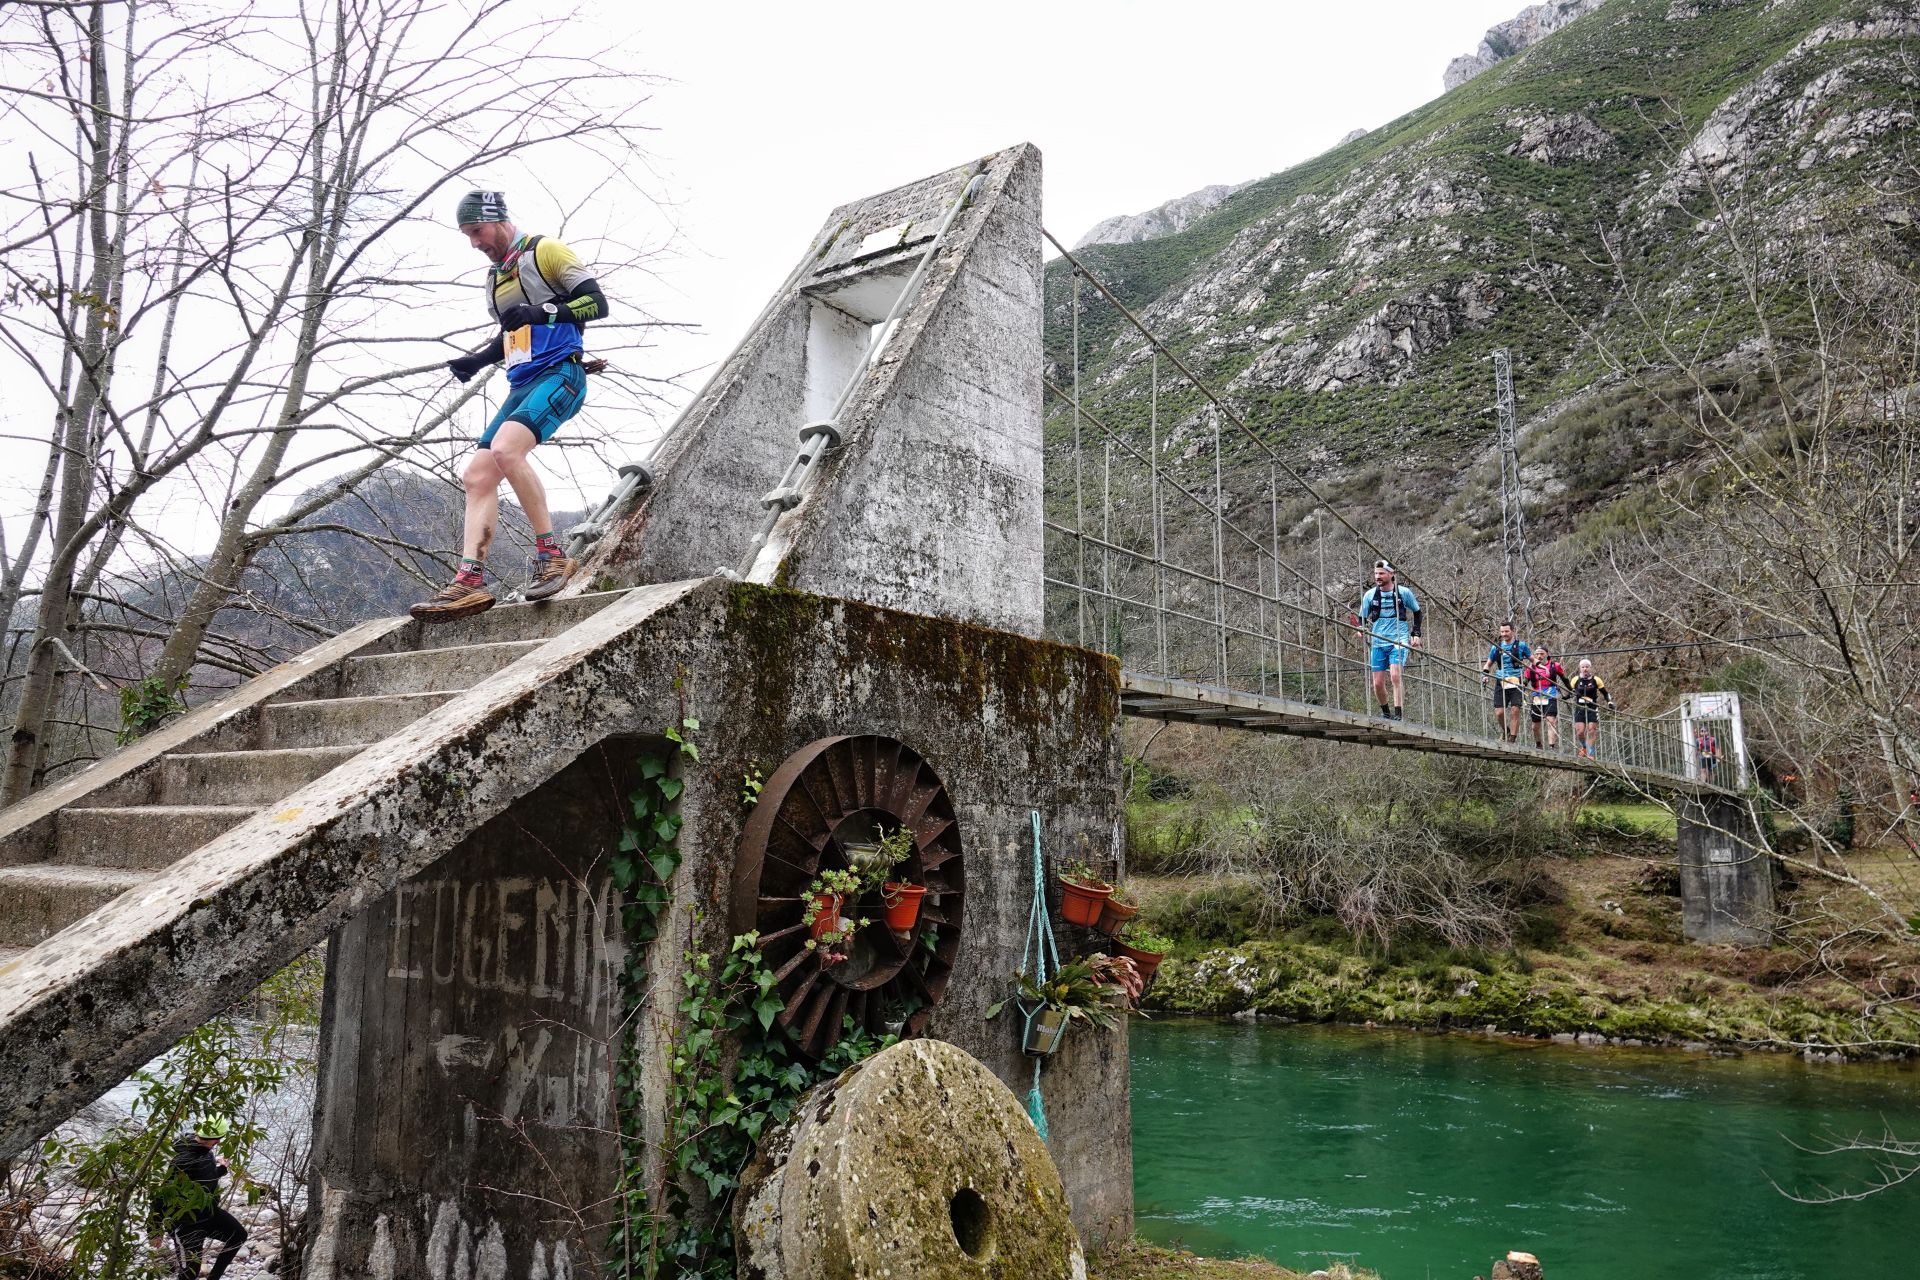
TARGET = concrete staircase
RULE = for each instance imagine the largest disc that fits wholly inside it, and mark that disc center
(122, 832)
(150, 891)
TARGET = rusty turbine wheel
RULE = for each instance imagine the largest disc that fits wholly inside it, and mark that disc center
(827, 797)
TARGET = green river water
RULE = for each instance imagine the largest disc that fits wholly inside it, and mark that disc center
(1430, 1156)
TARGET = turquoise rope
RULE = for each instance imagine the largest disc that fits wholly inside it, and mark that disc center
(1039, 943)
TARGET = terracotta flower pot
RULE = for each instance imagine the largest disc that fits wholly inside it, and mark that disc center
(1081, 904)
(903, 904)
(1044, 1031)
(1114, 914)
(826, 914)
(1145, 961)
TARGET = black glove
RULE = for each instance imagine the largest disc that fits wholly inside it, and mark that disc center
(521, 314)
(464, 367)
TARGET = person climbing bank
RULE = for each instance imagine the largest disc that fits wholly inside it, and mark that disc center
(1391, 614)
(187, 1207)
(542, 296)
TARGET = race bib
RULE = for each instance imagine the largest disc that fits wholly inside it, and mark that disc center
(519, 344)
(1541, 699)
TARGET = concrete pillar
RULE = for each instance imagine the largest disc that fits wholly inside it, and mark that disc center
(1726, 874)
(932, 502)
(464, 1120)
(465, 1126)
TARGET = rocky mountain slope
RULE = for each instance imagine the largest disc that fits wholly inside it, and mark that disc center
(1349, 305)
(1532, 25)
(1174, 216)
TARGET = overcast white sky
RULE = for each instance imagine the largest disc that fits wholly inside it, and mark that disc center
(775, 113)
(770, 114)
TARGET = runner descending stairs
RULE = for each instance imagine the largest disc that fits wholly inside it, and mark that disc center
(154, 889)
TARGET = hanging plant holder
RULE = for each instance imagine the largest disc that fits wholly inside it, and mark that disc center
(1045, 1029)
(1082, 904)
(1145, 961)
(1114, 915)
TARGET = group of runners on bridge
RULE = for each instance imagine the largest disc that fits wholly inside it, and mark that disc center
(1520, 674)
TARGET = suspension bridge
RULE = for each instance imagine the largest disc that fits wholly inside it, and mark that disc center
(848, 565)
(1218, 604)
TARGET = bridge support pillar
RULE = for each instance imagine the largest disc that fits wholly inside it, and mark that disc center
(467, 1112)
(463, 1120)
(1726, 873)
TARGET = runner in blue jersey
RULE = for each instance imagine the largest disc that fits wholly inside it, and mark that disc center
(1391, 615)
(1507, 663)
(542, 296)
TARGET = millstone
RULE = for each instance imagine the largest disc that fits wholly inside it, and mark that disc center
(917, 1164)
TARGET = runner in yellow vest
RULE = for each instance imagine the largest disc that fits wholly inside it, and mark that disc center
(543, 297)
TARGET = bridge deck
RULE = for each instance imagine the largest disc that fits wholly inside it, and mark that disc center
(1158, 698)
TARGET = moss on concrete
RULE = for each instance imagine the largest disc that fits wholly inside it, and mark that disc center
(1036, 679)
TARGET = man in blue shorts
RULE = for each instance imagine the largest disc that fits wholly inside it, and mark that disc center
(1392, 617)
(1507, 662)
(542, 296)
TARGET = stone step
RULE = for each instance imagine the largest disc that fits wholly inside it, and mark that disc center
(429, 670)
(140, 839)
(252, 778)
(42, 898)
(541, 621)
(343, 722)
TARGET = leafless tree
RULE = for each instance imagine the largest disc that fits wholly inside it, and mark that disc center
(1786, 541)
(218, 281)
(1388, 850)
(1890, 1159)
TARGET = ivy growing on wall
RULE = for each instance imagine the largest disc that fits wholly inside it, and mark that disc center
(733, 1073)
(643, 866)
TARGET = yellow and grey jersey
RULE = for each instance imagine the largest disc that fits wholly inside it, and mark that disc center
(552, 273)
(540, 270)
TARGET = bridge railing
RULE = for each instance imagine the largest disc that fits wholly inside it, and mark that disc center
(1161, 552)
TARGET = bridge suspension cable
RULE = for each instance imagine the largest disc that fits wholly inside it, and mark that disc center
(1228, 614)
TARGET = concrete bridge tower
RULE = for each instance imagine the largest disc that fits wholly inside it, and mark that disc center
(881, 661)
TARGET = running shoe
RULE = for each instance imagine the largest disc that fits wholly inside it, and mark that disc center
(550, 573)
(453, 601)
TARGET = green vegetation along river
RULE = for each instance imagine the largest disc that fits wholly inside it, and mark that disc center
(1422, 1155)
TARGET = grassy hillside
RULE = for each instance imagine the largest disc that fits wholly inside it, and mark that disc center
(1349, 304)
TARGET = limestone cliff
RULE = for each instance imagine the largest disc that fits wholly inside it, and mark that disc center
(1529, 27)
(1176, 214)
(1349, 304)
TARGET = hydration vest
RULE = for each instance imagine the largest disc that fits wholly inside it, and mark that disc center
(1395, 606)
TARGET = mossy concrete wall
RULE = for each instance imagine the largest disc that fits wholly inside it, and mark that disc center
(1010, 724)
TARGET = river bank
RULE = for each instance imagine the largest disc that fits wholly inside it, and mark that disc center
(1600, 959)
(1564, 998)
(1138, 1260)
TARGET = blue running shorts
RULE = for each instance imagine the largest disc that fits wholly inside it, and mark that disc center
(541, 404)
(1388, 653)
